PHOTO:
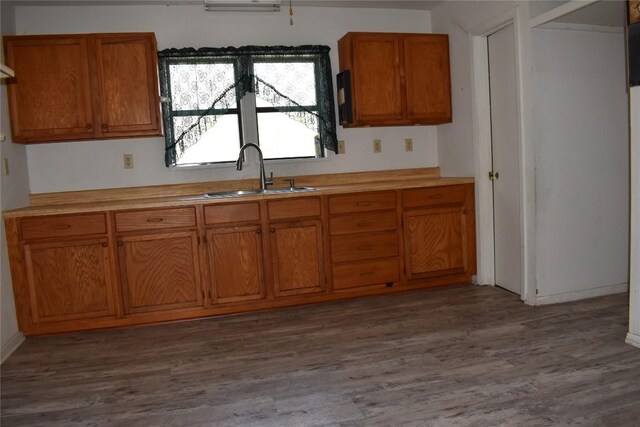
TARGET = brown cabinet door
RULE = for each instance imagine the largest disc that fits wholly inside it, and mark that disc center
(160, 271)
(435, 241)
(235, 263)
(127, 84)
(297, 257)
(69, 280)
(376, 75)
(50, 98)
(428, 86)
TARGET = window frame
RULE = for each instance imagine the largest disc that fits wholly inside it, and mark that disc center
(243, 60)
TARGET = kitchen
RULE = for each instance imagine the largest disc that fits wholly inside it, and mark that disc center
(75, 166)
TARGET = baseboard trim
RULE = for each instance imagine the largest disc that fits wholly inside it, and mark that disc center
(633, 339)
(10, 346)
(582, 294)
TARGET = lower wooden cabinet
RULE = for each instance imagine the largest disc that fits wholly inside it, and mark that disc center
(100, 269)
(435, 242)
(160, 271)
(235, 263)
(69, 280)
(297, 257)
(439, 235)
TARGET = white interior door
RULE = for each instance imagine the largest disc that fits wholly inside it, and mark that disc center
(505, 157)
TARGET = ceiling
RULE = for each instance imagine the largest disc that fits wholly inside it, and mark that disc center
(370, 4)
(606, 13)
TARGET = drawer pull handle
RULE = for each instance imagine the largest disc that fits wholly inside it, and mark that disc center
(364, 224)
(62, 227)
(155, 219)
(363, 204)
(366, 273)
(436, 196)
(365, 248)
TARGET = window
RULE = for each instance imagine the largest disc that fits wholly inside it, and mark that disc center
(214, 100)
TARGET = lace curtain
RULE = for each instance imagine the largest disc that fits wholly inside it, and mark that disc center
(218, 77)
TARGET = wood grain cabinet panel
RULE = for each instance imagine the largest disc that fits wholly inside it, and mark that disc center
(365, 273)
(150, 219)
(69, 280)
(297, 257)
(128, 84)
(435, 242)
(83, 86)
(50, 99)
(428, 85)
(352, 203)
(365, 222)
(364, 246)
(376, 78)
(439, 232)
(232, 213)
(397, 78)
(235, 263)
(160, 271)
(62, 226)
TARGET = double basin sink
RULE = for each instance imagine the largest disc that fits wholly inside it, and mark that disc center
(239, 193)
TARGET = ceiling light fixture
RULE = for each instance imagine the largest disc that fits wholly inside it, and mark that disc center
(242, 5)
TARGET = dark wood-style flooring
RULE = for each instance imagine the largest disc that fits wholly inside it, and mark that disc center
(457, 356)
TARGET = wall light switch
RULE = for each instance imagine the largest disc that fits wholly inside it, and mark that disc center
(341, 146)
(128, 161)
(408, 144)
(377, 146)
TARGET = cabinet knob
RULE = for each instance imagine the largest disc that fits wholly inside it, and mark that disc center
(89, 126)
(104, 244)
(259, 231)
(120, 243)
(273, 230)
(105, 126)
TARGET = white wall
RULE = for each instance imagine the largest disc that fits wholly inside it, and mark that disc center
(98, 164)
(580, 133)
(15, 193)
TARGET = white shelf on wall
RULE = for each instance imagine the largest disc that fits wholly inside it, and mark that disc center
(5, 71)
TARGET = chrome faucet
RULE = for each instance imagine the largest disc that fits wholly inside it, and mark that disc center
(264, 181)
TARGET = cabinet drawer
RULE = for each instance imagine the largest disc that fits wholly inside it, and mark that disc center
(154, 219)
(63, 225)
(356, 274)
(355, 247)
(235, 212)
(433, 196)
(362, 202)
(375, 221)
(294, 208)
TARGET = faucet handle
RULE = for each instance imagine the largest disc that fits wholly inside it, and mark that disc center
(269, 181)
(291, 181)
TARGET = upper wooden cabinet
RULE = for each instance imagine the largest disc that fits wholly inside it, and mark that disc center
(83, 86)
(396, 79)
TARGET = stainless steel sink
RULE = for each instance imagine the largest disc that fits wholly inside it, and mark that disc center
(240, 193)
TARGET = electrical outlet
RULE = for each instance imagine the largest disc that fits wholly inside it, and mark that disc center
(377, 146)
(5, 166)
(408, 144)
(128, 161)
(341, 146)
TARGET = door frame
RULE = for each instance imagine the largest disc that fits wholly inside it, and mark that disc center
(519, 17)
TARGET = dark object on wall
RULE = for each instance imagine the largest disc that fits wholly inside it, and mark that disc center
(634, 11)
(633, 32)
(343, 81)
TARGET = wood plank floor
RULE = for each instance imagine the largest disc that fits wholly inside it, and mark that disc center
(457, 356)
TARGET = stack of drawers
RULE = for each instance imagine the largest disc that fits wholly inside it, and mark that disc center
(363, 232)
